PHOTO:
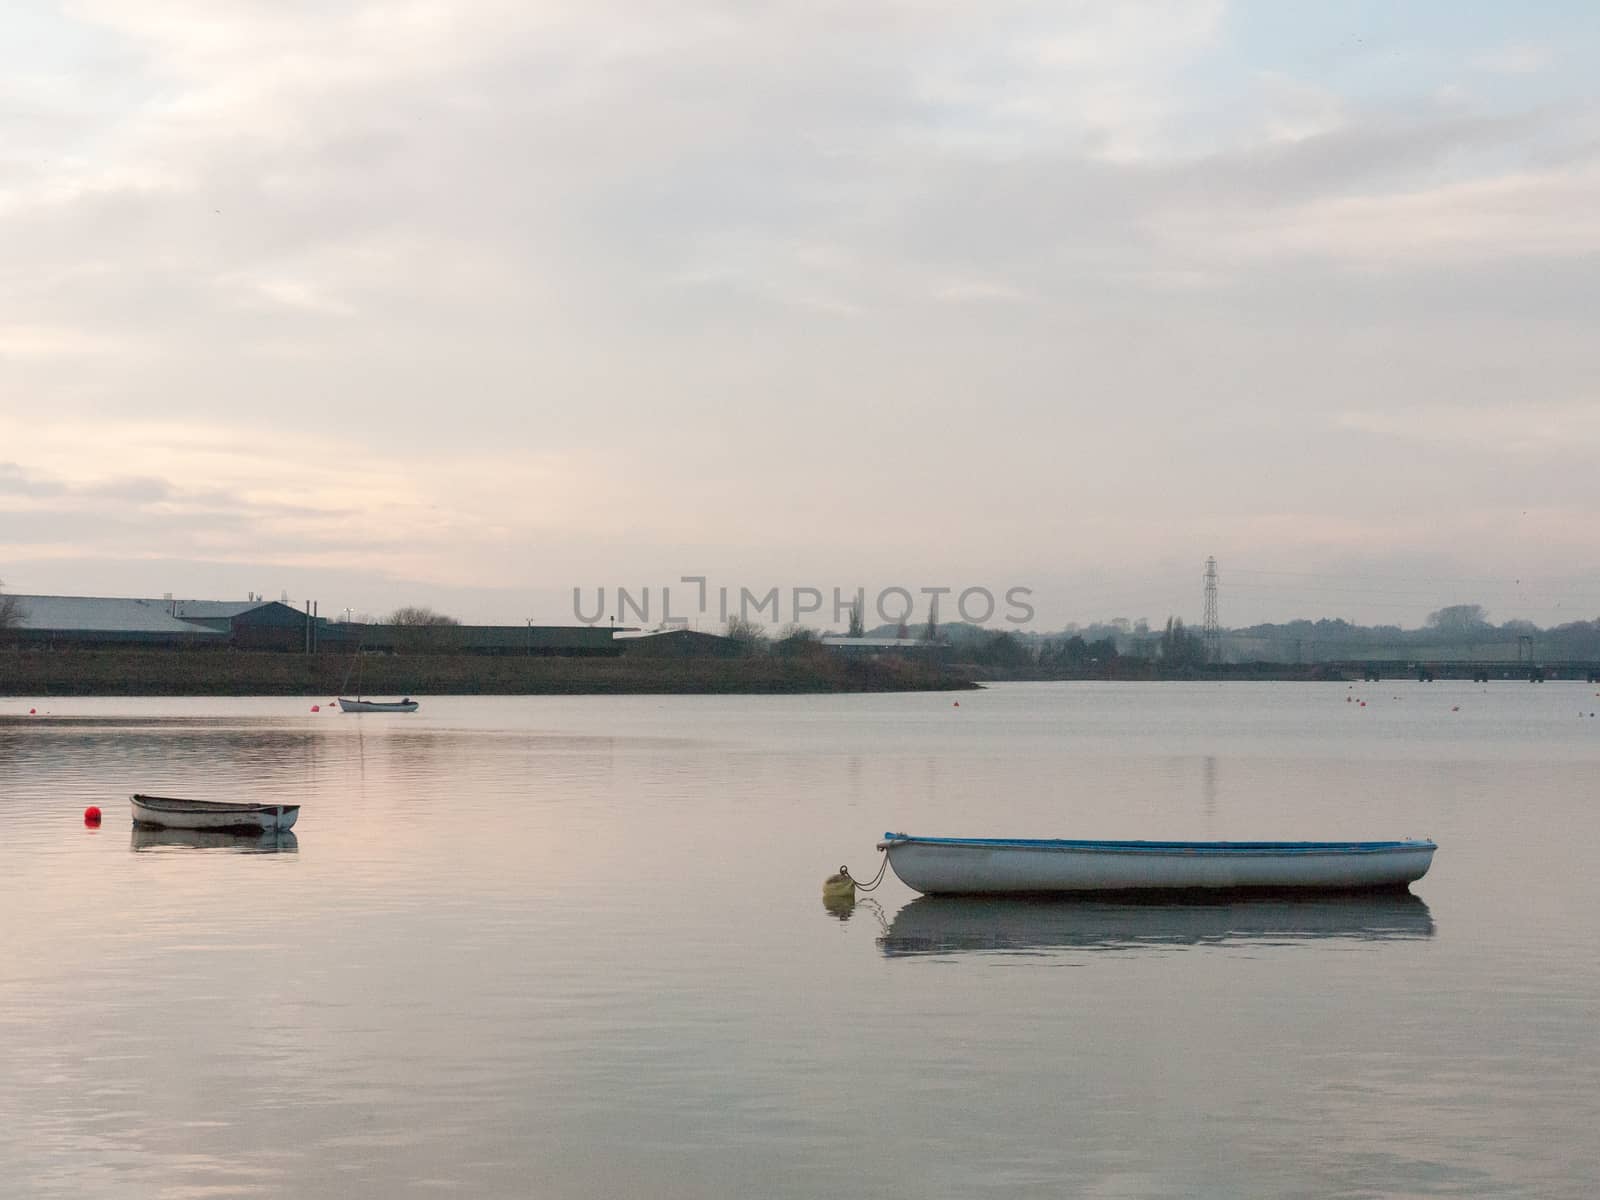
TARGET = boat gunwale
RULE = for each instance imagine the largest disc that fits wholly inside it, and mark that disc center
(178, 804)
(1183, 849)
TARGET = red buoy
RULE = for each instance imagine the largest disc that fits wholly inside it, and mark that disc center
(316, 708)
(91, 816)
(957, 704)
(34, 711)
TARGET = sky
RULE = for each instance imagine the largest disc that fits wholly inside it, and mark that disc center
(472, 304)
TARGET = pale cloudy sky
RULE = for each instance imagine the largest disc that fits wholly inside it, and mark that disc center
(469, 303)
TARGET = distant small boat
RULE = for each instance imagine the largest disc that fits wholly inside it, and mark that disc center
(985, 866)
(359, 705)
(348, 705)
(169, 812)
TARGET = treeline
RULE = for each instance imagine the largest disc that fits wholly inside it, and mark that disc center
(1176, 647)
(952, 645)
(1095, 647)
(1461, 630)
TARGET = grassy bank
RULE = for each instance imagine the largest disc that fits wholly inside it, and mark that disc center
(244, 673)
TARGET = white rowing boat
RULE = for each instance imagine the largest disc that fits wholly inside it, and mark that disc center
(983, 866)
(170, 812)
(376, 706)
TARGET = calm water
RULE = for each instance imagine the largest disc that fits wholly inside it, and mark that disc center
(575, 947)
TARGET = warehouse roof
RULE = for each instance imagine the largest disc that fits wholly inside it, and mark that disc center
(104, 615)
(202, 609)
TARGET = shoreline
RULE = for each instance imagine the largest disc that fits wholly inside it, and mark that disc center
(125, 672)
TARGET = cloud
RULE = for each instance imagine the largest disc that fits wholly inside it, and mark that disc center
(297, 295)
(1514, 60)
(46, 341)
(976, 291)
(15, 481)
(260, 496)
(1099, 77)
(1547, 214)
(406, 285)
(1522, 427)
(1296, 110)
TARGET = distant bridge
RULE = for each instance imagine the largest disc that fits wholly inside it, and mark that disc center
(1480, 672)
(1478, 659)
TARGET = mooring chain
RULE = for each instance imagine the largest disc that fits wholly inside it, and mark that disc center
(876, 879)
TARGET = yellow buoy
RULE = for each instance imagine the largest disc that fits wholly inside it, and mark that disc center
(840, 886)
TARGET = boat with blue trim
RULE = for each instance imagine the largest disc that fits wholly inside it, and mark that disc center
(988, 866)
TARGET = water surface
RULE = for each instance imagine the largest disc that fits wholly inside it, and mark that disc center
(573, 947)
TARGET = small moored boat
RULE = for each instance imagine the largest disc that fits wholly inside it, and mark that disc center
(376, 706)
(983, 866)
(170, 812)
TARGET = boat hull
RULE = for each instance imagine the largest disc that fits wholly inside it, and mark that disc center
(376, 706)
(170, 812)
(999, 866)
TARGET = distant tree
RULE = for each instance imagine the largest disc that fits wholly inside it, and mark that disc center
(1003, 650)
(1179, 646)
(1576, 639)
(858, 627)
(930, 632)
(417, 614)
(1458, 618)
(1075, 654)
(796, 639)
(422, 630)
(10, 611)
(900, 630)
(751, 635)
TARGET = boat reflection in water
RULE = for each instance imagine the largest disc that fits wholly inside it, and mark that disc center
(947, 924)
(153, 837)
